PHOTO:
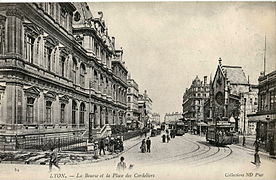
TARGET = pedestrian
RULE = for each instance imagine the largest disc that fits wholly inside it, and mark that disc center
(168, 138)
(121, 166)
(53, 159)
(101, 146)
(143, 146)
(112, 143)
(271, 146)
(163, 138)
(148, 142)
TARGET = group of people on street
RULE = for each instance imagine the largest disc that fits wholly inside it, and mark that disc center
(110, 144)
(166, 137)
(146, 145)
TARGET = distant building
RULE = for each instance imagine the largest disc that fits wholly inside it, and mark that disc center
(133, 114)
(156, 118)
(145, 107)
(172, 117)
(193, 102)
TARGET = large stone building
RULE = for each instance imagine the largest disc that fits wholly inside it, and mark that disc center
(172, 117)
(193, 102)
(133, 114)
(58, 69)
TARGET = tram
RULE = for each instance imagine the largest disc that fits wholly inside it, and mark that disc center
(180, 128)
(220, 133)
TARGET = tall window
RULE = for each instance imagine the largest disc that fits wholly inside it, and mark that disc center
(82, 109)
(48, 111)
(128, 99)
(30, 110)
(62, 65)
(272, 98)
(74, 109)
(2, 35)
(29, 48)
(47, 56)
(82, 72)
(74, 71)
(62, 113)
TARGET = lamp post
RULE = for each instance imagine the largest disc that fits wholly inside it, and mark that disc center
(89, 115)
(244, 115)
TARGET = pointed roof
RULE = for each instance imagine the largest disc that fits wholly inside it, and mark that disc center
(234, 74)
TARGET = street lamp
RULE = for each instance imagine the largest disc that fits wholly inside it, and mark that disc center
(244, 114)
(89, 115)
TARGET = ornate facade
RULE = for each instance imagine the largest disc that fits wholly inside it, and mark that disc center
(193, 102)
(58, 68)
(133, 115)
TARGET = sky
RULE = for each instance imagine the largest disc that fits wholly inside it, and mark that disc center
(166, 44)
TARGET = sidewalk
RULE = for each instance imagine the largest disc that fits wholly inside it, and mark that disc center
(249, 146)
(66, 157)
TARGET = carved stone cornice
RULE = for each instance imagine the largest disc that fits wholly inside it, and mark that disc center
(15, 12)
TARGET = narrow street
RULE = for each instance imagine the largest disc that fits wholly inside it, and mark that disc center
(184, 156)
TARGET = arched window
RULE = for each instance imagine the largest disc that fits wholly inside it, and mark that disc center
(48, 111)
(74, 109)
(82, 110)
(47, 56)
(30, 110)
(74, 71)
(62, 65)
(62, 113)
(82, 75)
(29, 48)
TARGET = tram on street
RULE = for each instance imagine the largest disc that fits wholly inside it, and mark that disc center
(179, 128)
(221, 133)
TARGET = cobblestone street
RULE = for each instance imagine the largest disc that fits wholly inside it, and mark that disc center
(187, 156)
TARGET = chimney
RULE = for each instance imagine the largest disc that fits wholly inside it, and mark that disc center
(205, 80)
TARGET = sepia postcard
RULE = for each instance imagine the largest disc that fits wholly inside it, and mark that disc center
(137, 90)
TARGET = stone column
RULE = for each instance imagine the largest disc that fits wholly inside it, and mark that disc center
(14, 31)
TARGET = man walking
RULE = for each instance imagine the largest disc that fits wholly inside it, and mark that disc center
(101, 147)
(148, 142)
(53, 159)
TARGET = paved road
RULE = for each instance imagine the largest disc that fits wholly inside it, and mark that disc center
(187, 156)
